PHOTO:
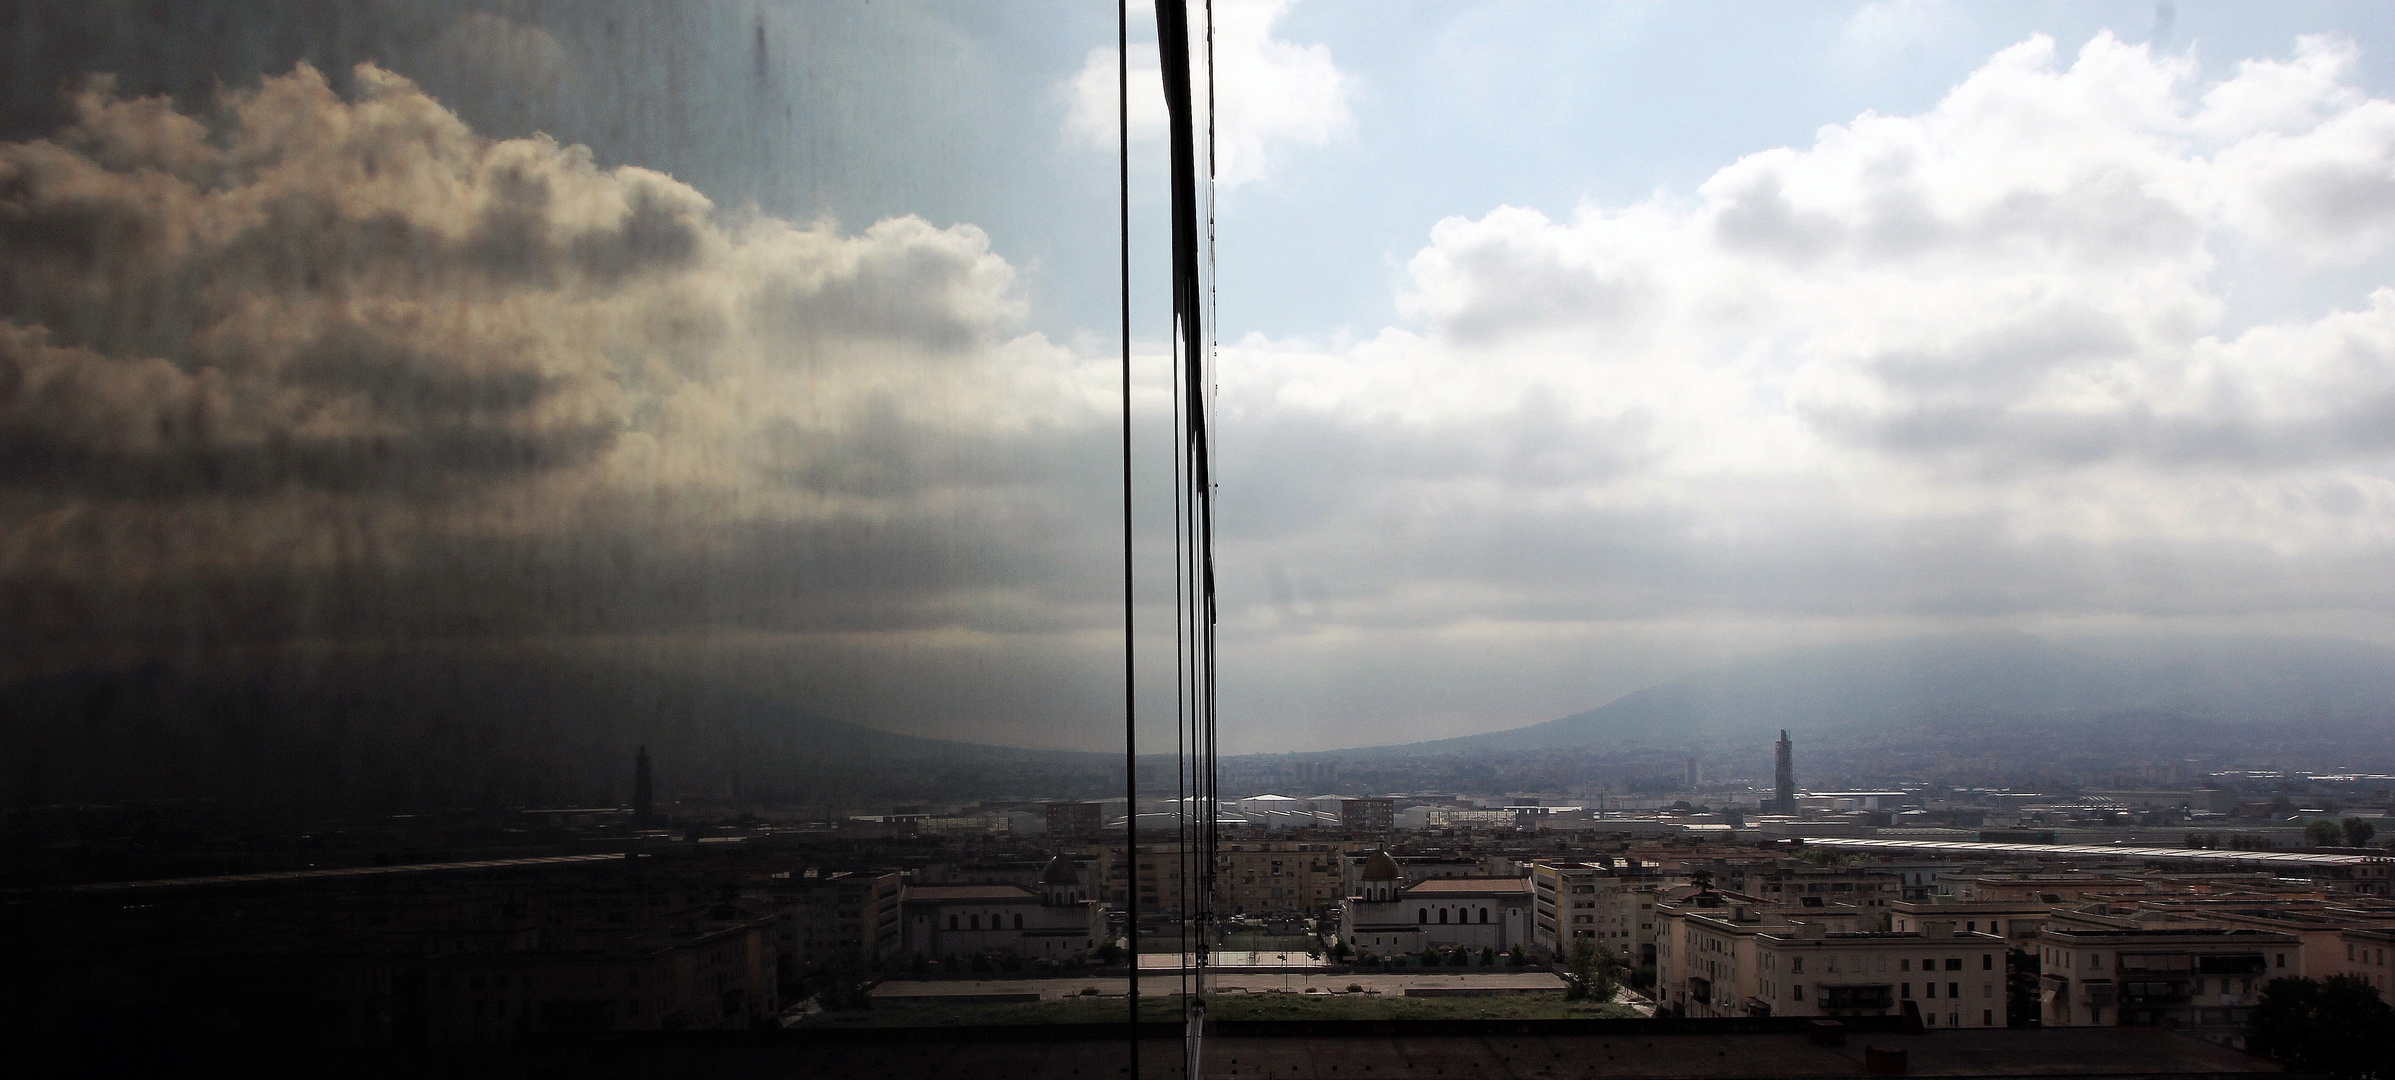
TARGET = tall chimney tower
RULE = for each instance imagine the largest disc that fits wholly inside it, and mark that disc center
(644, 799)
(1783, 774)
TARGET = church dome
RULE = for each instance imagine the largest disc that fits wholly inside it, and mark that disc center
(1059, 872)
(1380, 867)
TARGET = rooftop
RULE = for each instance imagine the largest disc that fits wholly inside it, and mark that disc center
(1471, 886)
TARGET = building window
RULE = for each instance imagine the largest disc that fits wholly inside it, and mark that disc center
(2282, 960)
(1422, 915)
(1954, 990)
(1987, 961)
(1987, 1018)
(1484, 915)
(976, 922)
(1797, 966)
(951, 922)
(1929, 990)
(1799, 991)
(1018, 920)
(1905, 990)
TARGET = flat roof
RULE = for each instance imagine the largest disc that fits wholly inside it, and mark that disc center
(1470, 885)
(968, 892)
(2289, 859)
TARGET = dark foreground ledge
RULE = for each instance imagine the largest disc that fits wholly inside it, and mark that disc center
(1744, 1049)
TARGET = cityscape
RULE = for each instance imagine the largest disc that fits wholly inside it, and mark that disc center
(1294, 539)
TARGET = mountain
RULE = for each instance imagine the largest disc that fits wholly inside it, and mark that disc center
(427, 732)
(1985, 677)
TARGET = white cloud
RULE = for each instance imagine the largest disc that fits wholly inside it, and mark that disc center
(1269, 93)
(1967, 364)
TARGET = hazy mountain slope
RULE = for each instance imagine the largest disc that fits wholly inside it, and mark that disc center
(1989, 676)
(423, 732)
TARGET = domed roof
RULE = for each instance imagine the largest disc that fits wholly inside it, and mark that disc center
(1380, 867)
(1059, 872)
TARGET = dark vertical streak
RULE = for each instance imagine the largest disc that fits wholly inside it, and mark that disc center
(1189, 298)
(1122, 76)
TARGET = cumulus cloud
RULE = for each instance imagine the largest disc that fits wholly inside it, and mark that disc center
(1268, 93)
(312, 367)
(1973, 363)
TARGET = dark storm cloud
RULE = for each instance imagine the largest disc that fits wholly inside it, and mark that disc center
(308, 367)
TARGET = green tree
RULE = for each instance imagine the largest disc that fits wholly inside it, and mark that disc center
(1592, 974)
(2338, 1027)
(2323, 832)
(2357, 832)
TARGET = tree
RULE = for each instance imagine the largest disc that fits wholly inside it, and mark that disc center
(2358, 832)
(2322, 832)
(2338, 1027)
(1593, 975)
(1515, 957)
(1460, 958)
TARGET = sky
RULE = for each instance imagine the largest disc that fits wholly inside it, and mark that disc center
(1565, 347)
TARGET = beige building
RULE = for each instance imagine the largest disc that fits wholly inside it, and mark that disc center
(1280, 876)
(1947, 979)
(1608, 903)
(1705, 946)
(2199, 980)
(2366, 953)
(2017, 922)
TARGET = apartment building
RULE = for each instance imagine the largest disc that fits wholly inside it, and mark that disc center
(701, 974)
(1862, 886)
(1075, 820)
(2200, 980)
(1281, 876)
(2365, 953)
(827, 917)
(1368, 815)
(1944, 977)
(1607, 902)
(2017, 922)
(1705, 945)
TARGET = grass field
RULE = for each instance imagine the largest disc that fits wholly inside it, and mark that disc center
(1095, 1010)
